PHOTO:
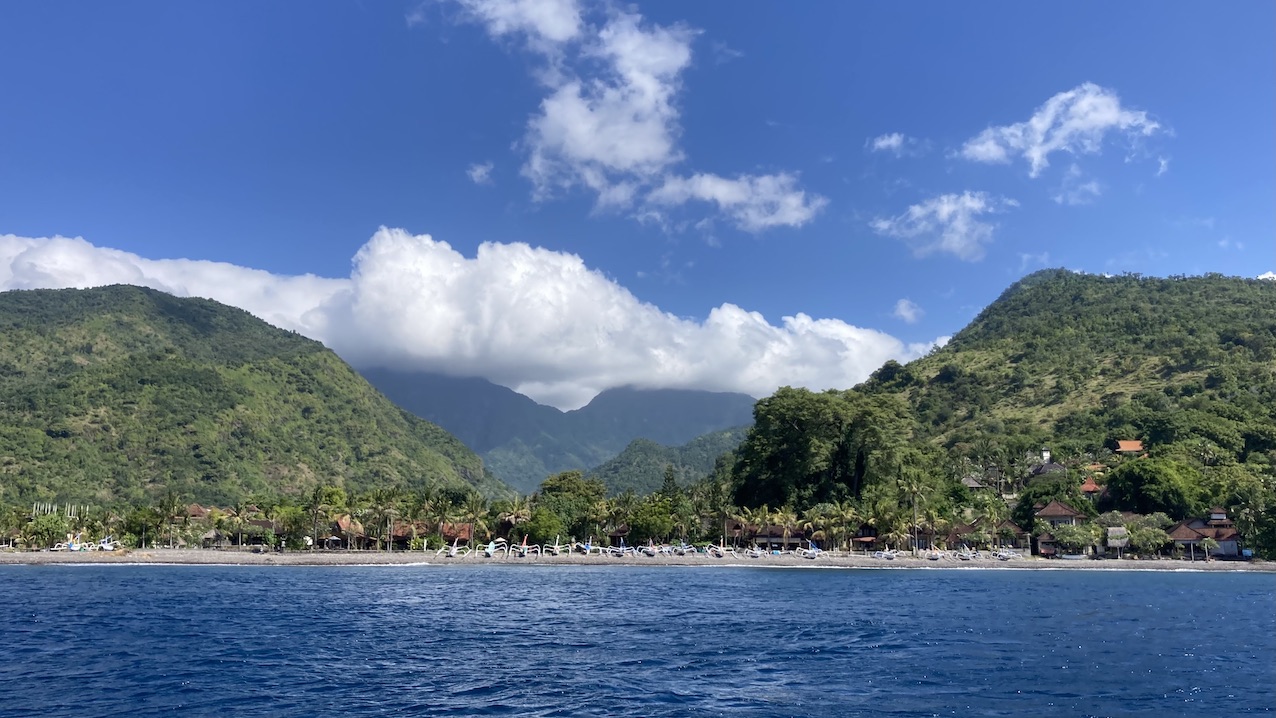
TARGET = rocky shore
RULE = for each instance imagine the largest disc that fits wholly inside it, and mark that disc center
(366, 558)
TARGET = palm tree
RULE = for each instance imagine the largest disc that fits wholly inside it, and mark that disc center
(991, 511)
(474, 512)
(915, 489)
(741, 516)
(438, 511)
(844, 515)
(623, 507)
(384, 509)
(898, 530)
(761, 517)
(935, 521)
(170, 506)
(321, 504)
(816, 522)
(518, 512)
(685, 518)
(787, 520)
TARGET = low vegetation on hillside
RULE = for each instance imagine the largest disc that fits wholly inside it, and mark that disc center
(119, 395)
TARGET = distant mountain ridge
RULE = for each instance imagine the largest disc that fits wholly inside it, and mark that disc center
(112, 395)
(522, 442)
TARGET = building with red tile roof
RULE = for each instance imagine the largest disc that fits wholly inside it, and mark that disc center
(1057, 513)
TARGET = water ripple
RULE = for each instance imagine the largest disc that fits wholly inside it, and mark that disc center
(601, 641)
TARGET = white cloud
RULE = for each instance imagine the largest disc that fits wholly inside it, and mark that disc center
(754, 203)
(1268, 275)
(1075, 121)
(1074, 191)
(609, 122)
(1229, 243)
(480, 173)
(896, 143)
(538, 321)
(1162, 165)
(947, 223)
(542, 21)
(908, 311)
(887, 143)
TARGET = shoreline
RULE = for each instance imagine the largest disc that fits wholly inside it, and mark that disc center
(215, 557)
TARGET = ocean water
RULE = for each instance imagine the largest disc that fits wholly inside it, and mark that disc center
(662, 641)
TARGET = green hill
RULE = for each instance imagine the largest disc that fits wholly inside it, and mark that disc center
(112, 395)
(640, 468)
(1079, 361)
(1068, 362)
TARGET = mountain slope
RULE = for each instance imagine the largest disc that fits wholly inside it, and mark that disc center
(111, 395)
(1080, 361)
(522, 442)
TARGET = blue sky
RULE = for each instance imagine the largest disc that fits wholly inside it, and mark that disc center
(566, 197)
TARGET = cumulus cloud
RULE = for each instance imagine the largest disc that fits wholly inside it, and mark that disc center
(610, 123)
(908, 311)
(532, 319)
(1075, 121)
(480, 173)
(947, 223)
(896, 143)
(1267, 275)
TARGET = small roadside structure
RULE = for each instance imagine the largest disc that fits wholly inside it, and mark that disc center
(1046, 546)
(1118, 539)
(214, 539)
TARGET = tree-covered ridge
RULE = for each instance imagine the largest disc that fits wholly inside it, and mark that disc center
(1069, 362)
(1082, 360)
(641, 467)
(114, 395)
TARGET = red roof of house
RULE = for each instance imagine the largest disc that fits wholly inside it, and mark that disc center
(1197, 529)
(1058, 508)
(1130, 446)
(457, 531)
(1089, 487)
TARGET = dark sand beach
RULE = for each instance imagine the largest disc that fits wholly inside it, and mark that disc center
(366, 558)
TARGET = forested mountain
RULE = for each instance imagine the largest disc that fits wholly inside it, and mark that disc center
(1079, 361)
(1065, 361)
(640, 468)
(112, 395)
(523, 442)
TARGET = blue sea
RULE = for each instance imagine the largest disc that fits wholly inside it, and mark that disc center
(494, 640)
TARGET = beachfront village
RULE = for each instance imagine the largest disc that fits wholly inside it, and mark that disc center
(990, 512)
